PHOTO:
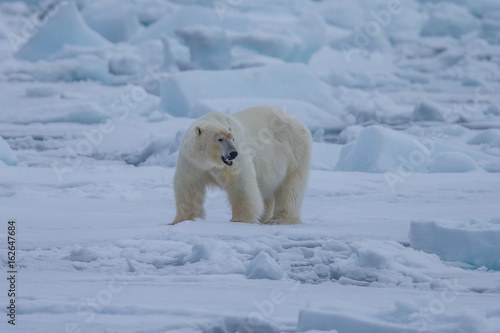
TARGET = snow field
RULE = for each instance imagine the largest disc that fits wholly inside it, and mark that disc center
(400, 228)
(337, 253)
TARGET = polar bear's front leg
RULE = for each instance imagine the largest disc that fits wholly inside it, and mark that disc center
(245, 198)
(189, 203)
(189, 192)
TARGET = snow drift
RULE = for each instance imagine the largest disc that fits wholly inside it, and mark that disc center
(7, 156)
(115, 20)
(66, 27)
(473, 243)
(380, 149)
(180, 92)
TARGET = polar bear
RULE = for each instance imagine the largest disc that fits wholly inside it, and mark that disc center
(260, 156)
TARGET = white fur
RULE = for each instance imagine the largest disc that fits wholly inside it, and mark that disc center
(268, 178)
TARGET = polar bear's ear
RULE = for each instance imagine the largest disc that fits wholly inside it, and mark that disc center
(198, 130)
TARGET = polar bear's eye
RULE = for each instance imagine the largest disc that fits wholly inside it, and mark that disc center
(220, 139)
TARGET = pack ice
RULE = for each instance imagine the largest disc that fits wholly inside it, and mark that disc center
(401, 219)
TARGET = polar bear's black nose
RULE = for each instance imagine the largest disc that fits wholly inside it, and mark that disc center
(233, 154)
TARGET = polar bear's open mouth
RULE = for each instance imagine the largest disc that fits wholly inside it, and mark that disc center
(227, 161)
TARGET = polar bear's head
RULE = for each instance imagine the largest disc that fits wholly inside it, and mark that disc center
(215, 146)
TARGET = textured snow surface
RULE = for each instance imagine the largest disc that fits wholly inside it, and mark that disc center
(400, 225)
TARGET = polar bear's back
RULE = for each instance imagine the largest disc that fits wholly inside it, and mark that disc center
(262, 122)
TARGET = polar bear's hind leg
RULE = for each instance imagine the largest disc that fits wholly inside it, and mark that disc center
(289, 197)
(268, 210)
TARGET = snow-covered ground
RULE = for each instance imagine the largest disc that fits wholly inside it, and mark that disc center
(401, 227)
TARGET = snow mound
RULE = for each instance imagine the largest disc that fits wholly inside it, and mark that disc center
(428, 111)
(349, 134)
(83, 255)
(66, 27)
(263, 266)
(448, 19)
(125, 64)
(7, 156)
(452, 162)
(181, 91)
(151, 11)
(345, 13)
(210, 48)
(157, 151)
(180, 18)
(490, 138)
(473, 243)
(490, 29)
(214, 257)
(380, 149)
(115, 20)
